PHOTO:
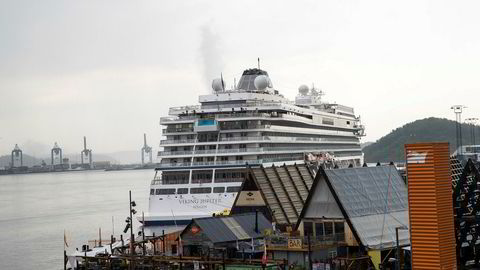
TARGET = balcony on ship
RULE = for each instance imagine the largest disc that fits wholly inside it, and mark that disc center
(234, 116)
(167, 142)
(258, 150)
(175, 153)
(183, 109)
(172, 130)
(226, 163)
(277, 139)
(181, 119)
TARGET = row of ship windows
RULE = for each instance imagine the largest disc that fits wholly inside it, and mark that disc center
(243, 124)
(201, 190)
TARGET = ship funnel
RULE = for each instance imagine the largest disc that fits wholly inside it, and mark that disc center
(247, 81)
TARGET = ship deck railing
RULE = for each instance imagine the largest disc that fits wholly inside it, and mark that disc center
(159, 181)
(191, 108)
(257, 150)
(176, 130)
(227, 162)
(167, 119)
(241, 114)
(348, 147)
(226, 116)
(176, 141)
(174, 153)
(267, 138)
(252, 106)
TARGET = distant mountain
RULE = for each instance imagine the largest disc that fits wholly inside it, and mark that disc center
(365, 144)
(128, 157)
(391, 147)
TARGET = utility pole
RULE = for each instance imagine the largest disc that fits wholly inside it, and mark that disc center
(397, 255)
(310, 264)
(129, 225)
(132, 237)
(473, 123)
(457, 109)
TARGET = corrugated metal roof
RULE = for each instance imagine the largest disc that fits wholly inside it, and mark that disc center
(375, 201)
(369, 190)
(285, 189)
(431, 207)
(232, 228)
(236, 229)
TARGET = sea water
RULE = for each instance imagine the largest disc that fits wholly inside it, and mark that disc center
(36, 210)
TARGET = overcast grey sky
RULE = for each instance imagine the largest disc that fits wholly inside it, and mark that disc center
(110, 69)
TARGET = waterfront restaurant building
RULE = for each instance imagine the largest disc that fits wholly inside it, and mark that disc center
(341, 212)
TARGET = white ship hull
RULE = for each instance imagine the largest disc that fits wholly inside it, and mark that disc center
(180, 209)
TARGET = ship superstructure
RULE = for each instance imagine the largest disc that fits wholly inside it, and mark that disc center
(206, 147)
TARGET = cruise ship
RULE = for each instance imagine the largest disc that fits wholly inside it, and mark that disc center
(206, 148)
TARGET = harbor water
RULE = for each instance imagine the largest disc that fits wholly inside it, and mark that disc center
(36, 209)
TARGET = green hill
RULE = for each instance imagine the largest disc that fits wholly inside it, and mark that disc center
(391, 147)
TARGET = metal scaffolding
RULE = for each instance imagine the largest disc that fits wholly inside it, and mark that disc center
(466, 202)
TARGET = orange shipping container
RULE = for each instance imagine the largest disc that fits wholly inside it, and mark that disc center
(430, 206)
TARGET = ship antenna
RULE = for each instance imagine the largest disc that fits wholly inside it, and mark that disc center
(258, 62)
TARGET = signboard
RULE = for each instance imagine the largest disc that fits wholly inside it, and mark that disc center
(416, 157)
(195, 229)
(294, 243)
(250, 198)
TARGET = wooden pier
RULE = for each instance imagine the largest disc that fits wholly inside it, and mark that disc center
(150, 253)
